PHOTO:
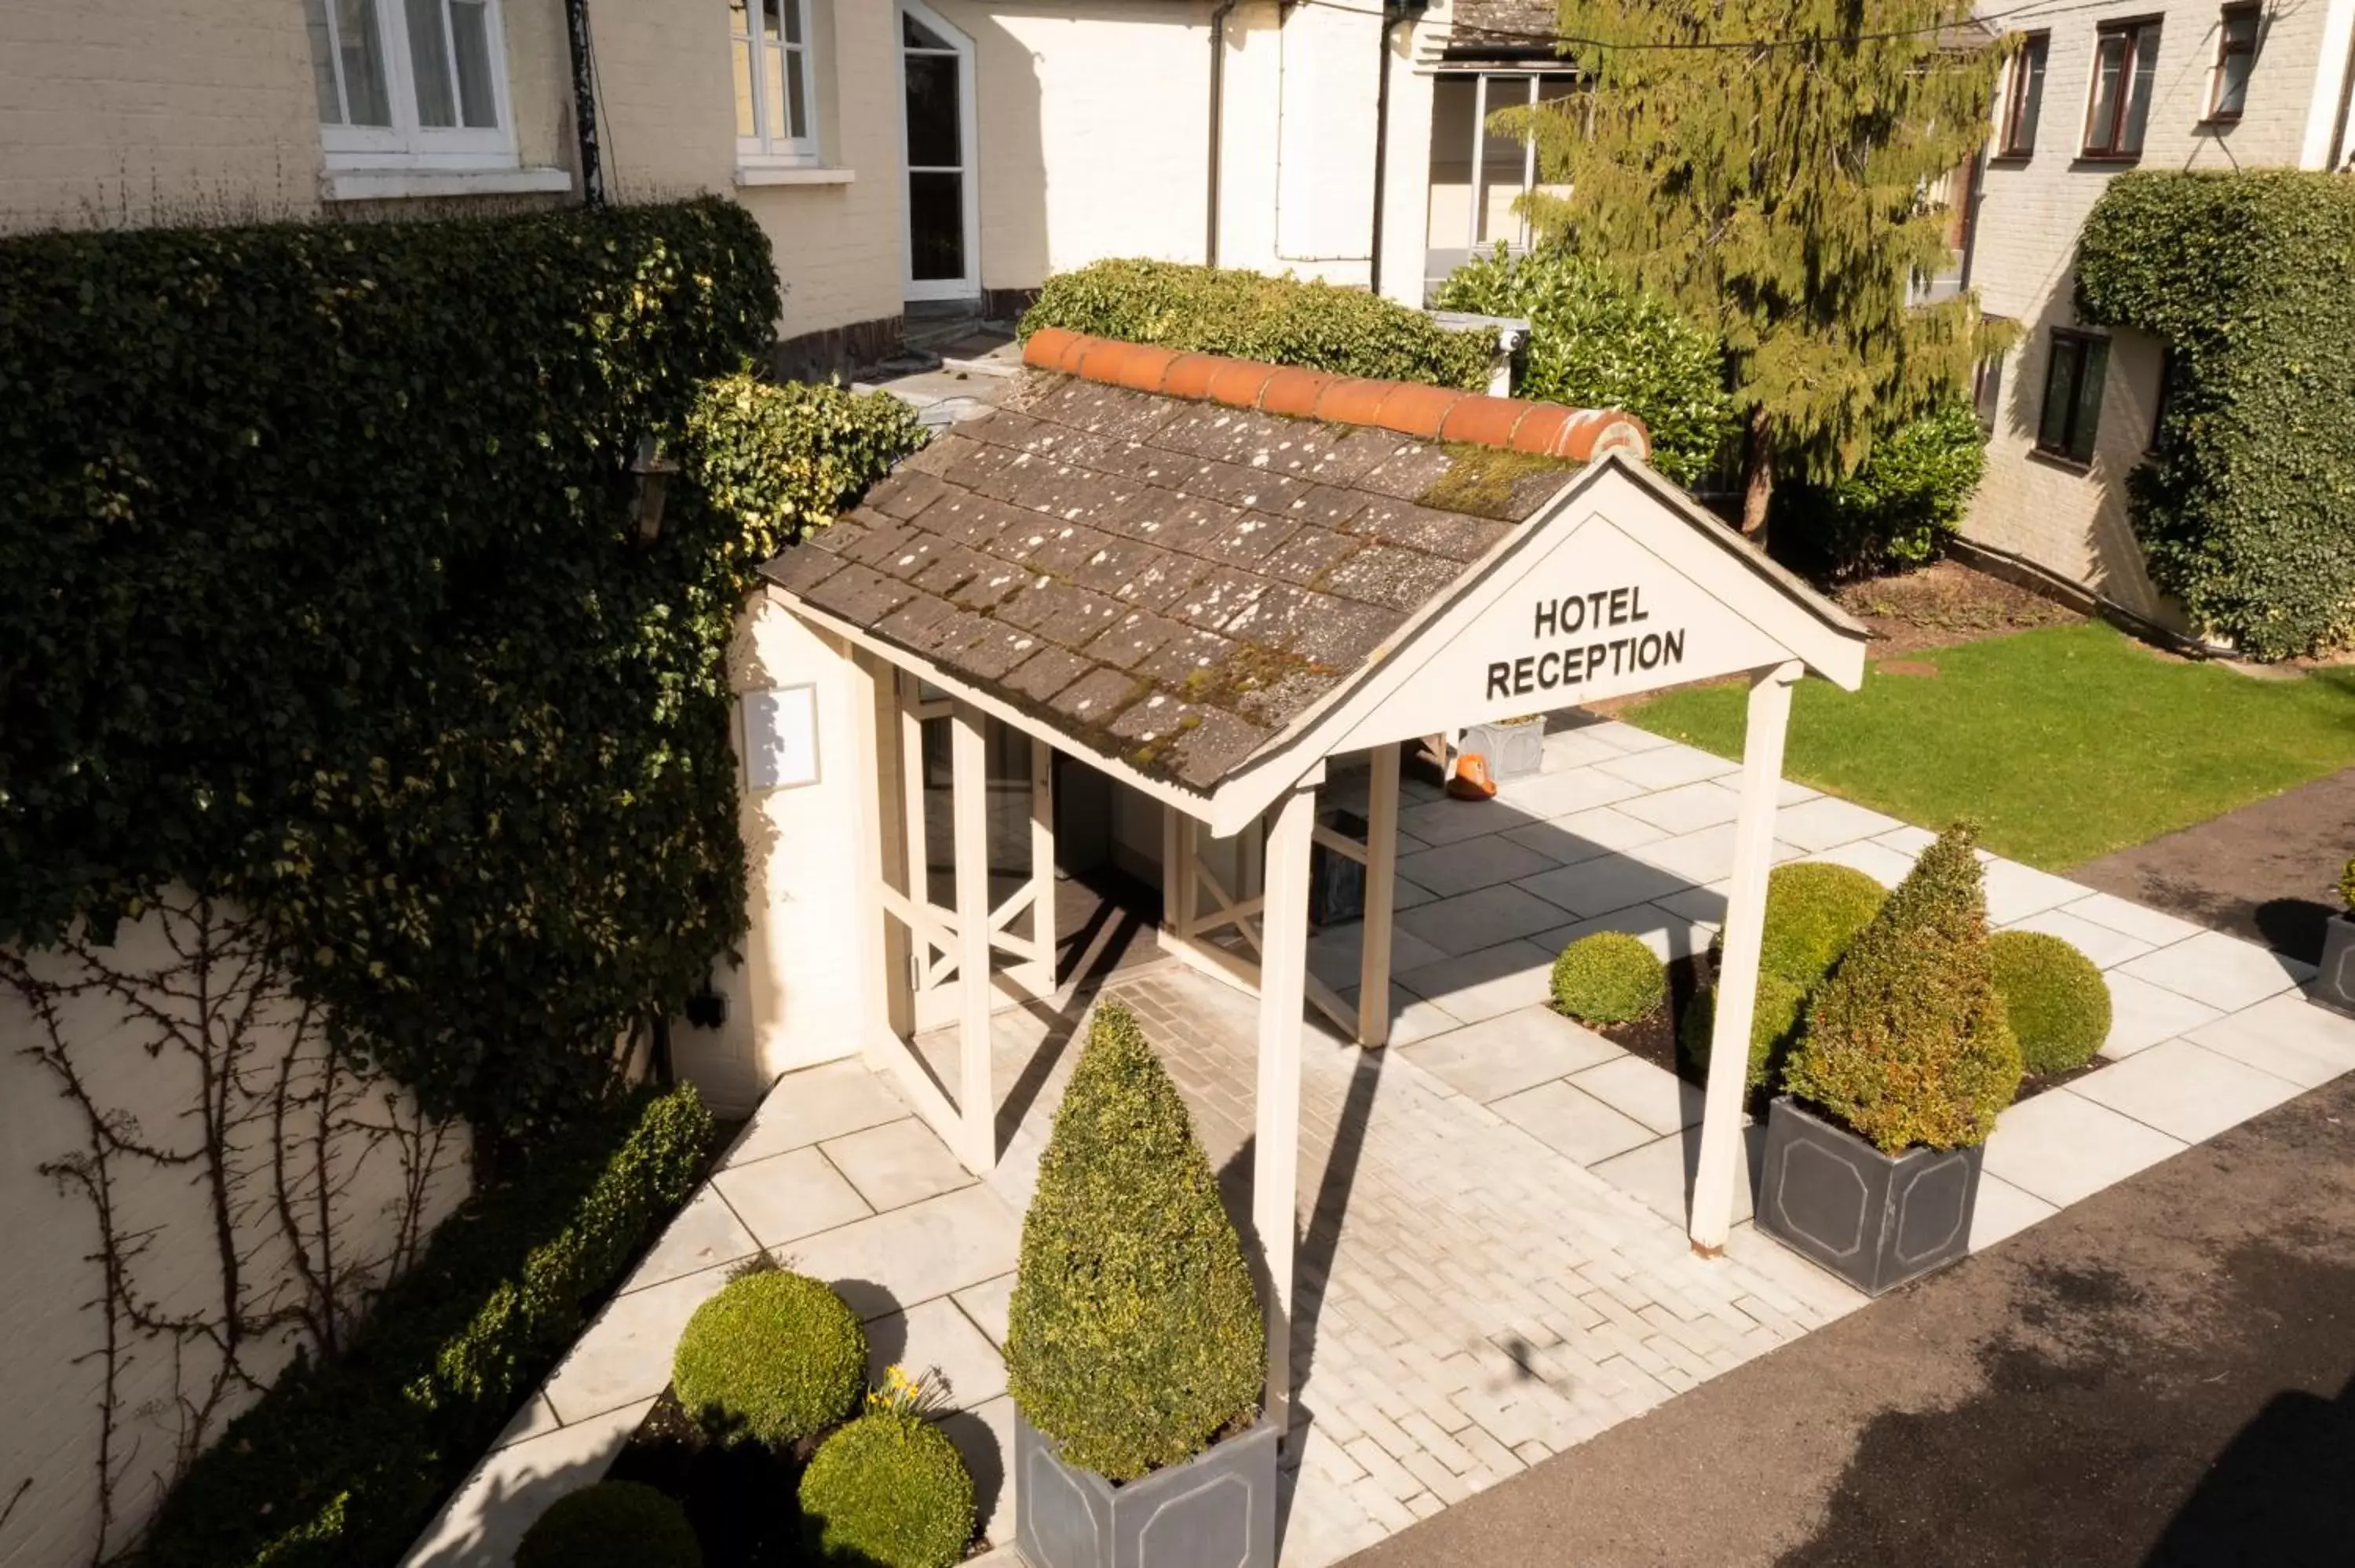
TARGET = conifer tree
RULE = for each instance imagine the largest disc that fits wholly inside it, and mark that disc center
(1769, 165)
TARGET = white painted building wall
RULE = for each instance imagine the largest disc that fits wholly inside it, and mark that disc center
(387, 1195)
(2070, 519)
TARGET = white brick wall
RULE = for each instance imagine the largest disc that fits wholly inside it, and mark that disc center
(2073, 520)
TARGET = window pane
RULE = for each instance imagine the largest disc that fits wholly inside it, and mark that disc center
(323, 62)
(2146, 72)
(2088, 400)
(914, 35)
(2031, 94)
(933, 132)
(2059, 396)
(1987, 393)
(2233, 89)
(936, 226)
(429, 63)
(470, 40)
(790, 15)
(746, 125)
(772, 92)
(796, 93)
(2109, 63)
(362, 49)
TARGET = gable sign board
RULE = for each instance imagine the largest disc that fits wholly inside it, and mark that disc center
(1619, 593)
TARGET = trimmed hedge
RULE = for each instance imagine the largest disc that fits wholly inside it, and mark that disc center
(2247, 512)
(612, 1524)
(1774, 1022)
(1906, 1044)
(1597, 343)
(2347, 885)
(1896, 510)
(783, 459)
(341, 1466)
(1283, 321)
(772, 1358)
(2055, 998)
(1134, 1336)
(321, 589)
(1608, 977)
(887, 1490)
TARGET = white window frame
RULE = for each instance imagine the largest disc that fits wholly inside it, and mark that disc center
(959, 44)
(405, 143)
(759, 150)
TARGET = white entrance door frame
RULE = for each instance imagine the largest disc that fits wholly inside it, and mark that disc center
(1621, 543)
(967, 285)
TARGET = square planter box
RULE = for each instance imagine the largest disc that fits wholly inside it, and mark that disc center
(1875, 1220)
(2334, 980)
(1512, 751)
(1216, 1511)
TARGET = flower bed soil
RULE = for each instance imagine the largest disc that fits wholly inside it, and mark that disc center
(1653, 1036)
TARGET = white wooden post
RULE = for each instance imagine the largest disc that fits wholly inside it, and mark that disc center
(874, 702)
(1737, 974)
(1381, 897)
(969, 804)
(1037, 975)
(1275, 1156)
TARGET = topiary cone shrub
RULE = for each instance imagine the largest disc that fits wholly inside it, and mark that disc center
(1907, 1044)
(1134, 1338)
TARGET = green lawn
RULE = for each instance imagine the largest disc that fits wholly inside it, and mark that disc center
(2064, 743)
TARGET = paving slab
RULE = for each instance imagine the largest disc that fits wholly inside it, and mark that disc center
(1908, 840)
(2108, 948)
(1659, 1174)
(1668, 934)
(1447, 821)
(2139, 920)
(2003, 1210)
(985, 1438)
(827, 1102)
(1822, 823)
(2062, 1148)
(1629, 738)
(1334, 952)
(936, 1337)
(2287, 1036)
(898, 1163)
(896, 1260)
(1568, 749)
(2143, 1015)
(1599, 886)
(1652, 1096)
(1573, 790)
(1666, 766)
(704, 1233)
(1471, 921)
(783, 1199)
(484, 1522)
(1472, 863)
(1705, 854)
(986, 1304)
(2184, 1090)
(1482, 984)
(1586, 836)
(1574, 1123)
(624, 1354)
(1511, 1052)
(2015, 891)
(1685, 808)
(2224, 972)
(1884, 864)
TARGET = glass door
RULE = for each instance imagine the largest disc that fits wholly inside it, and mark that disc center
(937, 79)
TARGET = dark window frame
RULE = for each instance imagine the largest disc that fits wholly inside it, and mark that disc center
(2227, 50)
(2070, 438)
(2170, 371)
(2024, 86)
(2114, 147)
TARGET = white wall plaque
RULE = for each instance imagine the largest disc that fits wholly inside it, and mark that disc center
(781, 738)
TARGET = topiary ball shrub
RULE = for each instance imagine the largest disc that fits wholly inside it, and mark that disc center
(2054, 998)
(613, 1524)
(1134, 1338)
(774, 1357)
(1608, 977)
(1814, 911)
(888, 1491)
(1907, 1044)
(1774, 1029)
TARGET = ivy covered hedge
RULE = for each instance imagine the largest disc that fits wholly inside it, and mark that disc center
(341, 1466)
(2247, 514)
(321, 589)
(1284, 320)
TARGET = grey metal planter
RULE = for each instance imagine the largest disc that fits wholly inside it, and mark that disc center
(1512, 751)
(2334, 981)
(1216, 1511)
(1876, 1220)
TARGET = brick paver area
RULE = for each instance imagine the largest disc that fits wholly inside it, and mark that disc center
(1493, 1260)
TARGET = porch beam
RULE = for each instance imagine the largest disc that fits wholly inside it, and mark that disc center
(1721, 1162)
(1275, 1157)
(1382, 896)
(969, 810)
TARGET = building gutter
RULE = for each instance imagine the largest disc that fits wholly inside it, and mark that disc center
(1219, 14)
(584, 101)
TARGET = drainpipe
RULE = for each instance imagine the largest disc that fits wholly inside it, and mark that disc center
(1219, 14)
(1391, 16)
(584, 101)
